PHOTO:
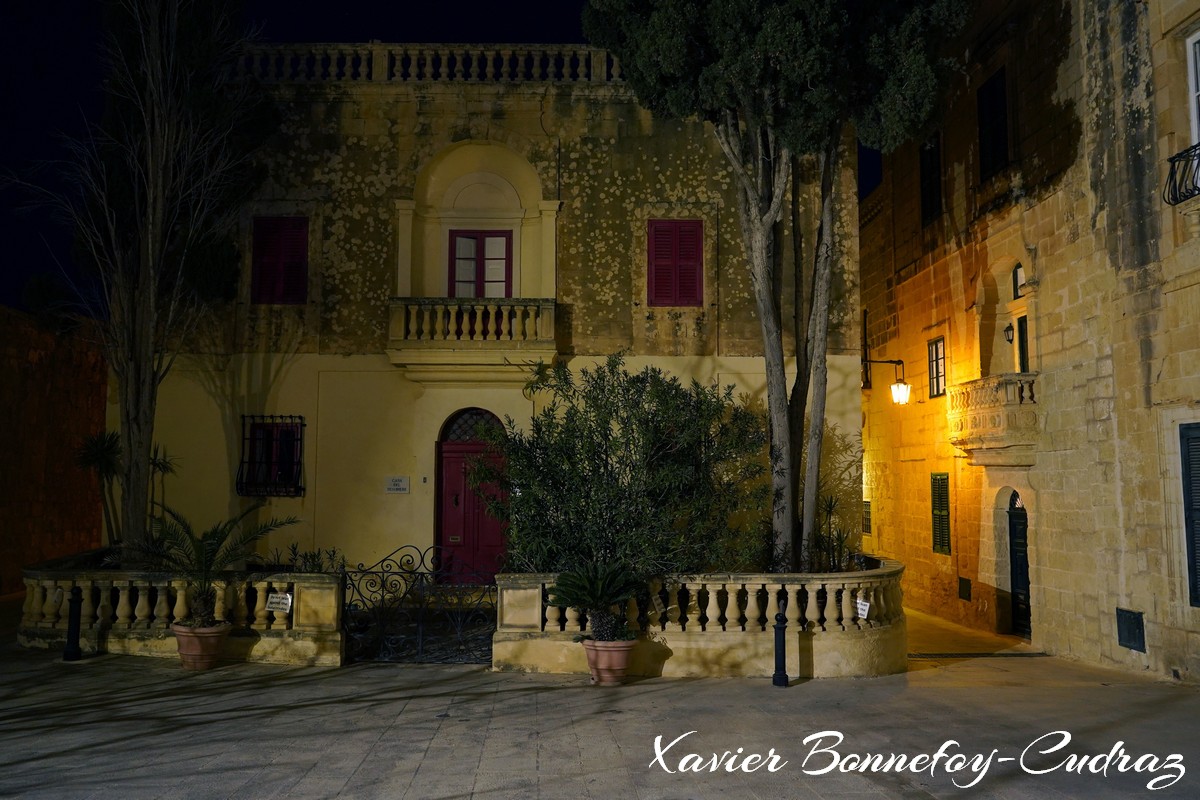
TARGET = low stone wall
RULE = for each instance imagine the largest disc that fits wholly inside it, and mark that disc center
(722, 625)
(131, 613)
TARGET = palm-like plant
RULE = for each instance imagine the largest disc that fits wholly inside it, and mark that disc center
(101, 452)
(595, 589)
(200, 558)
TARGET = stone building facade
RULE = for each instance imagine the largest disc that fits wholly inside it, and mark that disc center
(1043, 296)
(446, 216)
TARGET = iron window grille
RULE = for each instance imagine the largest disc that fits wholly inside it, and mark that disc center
(866, 517)
(939, 490)
(272, 456)
(937, 367)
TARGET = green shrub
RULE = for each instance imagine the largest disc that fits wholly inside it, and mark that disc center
(636, 470)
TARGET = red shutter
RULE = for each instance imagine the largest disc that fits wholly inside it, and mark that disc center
(280, 260)
(689, 264)
(675, 262)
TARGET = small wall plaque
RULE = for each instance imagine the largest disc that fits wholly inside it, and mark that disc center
(396, 484)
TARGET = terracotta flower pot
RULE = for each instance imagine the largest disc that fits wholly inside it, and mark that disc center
(199, 648)
(608, 660)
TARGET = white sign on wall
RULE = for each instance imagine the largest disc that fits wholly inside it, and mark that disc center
(396, 484)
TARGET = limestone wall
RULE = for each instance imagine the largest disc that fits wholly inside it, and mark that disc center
(1112, 283)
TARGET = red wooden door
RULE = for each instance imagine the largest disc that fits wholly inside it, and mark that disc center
(471, 539)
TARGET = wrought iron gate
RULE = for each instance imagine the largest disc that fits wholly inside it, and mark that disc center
(410, 607)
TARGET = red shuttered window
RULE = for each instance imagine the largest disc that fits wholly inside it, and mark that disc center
(280, 263)
(675, 262)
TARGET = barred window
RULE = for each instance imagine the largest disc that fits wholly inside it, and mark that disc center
(866, 517)
(272, 456)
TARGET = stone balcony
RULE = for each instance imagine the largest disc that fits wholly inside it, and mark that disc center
(995, 420)
(469, 341)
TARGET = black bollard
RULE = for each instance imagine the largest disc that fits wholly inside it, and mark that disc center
(780, 678)
(72, 652)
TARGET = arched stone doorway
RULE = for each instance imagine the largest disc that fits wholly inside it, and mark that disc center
(1018, 563)
(471, 540)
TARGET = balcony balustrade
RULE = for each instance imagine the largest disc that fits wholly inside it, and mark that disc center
(423, 63)
(468, 340)
(995, 419)
(1183, 182)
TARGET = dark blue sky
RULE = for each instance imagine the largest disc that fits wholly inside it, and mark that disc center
(50, 74)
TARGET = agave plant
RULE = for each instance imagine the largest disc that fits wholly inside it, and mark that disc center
(200, 558)
(596, 589)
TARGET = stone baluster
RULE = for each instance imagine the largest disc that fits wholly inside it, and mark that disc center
(506, 313)
(124, 605)
(31, 612)
(573, 622)
(631, 614)
(141, 611)
(262, 617)
(241, 612)
(706, 607)
(793, 612)
(162, 605)
(772, 605)
(414, 330)
(701, 602)
(221, 600)
(439, 323)
(50, 605)
(493, 332)
(104, 608)
(64, 606)
(180, 610)
(847, 607)
(653, 618)
(87, 606)
(675, 606)
(477, 328)
(813, 611)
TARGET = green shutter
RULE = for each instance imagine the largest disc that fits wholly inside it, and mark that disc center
(1189, 445)
(939, 492)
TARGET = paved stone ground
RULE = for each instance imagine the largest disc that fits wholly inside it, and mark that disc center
(125, 727)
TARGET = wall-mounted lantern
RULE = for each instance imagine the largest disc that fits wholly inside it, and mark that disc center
(900, 389)
(1008, 333)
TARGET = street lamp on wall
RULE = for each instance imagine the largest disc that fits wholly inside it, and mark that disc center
(900, 389)
(1008, 333)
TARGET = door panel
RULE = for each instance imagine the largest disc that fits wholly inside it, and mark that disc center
(472, 540)
(1018, 553)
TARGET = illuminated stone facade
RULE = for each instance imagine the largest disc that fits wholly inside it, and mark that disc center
(390, 152)
(1037, 213)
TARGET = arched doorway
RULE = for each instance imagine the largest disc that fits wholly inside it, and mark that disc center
(1018, 559)
(471, 540)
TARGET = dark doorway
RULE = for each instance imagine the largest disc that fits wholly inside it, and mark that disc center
(1018, 556)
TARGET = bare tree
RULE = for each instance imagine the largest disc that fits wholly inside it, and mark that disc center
(152, 194)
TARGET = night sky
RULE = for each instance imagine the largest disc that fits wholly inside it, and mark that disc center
(50, 73)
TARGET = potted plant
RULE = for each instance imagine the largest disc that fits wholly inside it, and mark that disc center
(199, 559)
(600, 591)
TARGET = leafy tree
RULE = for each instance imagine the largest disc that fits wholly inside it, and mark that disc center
(152, 194)
(780, 79)
(636, 470)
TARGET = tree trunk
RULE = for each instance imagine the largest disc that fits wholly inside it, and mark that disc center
(818, 330)
(762, 167)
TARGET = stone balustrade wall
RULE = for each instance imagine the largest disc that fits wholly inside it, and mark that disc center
(838, 624)
(131, 613)
(453, 321)
(446, 63)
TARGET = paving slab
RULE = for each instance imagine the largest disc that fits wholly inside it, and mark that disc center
(1013, 723)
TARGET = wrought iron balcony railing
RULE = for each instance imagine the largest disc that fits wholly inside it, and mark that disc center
(1184, 181)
